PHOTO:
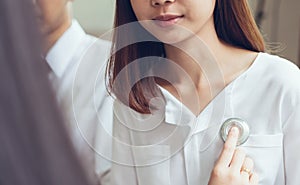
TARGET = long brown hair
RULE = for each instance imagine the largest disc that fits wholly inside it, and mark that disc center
(234, 24)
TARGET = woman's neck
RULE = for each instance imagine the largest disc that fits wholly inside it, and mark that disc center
(196, 56)
(206, 66)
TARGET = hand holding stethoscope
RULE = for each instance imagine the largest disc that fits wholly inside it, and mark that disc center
(233, 166)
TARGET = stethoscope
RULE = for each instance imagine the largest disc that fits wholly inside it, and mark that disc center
(242, 125)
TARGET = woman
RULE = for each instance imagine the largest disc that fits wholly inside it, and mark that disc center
(184, 69)
(35, 147)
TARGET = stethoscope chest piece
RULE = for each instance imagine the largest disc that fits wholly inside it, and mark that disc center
(242, 125)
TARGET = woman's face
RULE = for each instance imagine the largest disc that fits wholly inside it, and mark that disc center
(173, 21)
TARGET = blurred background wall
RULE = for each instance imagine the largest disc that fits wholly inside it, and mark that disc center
(96, 16)
(279, 21)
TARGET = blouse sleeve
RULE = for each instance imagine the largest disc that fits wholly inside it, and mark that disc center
(122, 155)
(134, 159)
(291, 143)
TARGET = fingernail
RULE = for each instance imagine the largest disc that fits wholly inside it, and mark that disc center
(234, 131)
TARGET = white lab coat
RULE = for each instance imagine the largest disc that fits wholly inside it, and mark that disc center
(78, 61)
(175, 147)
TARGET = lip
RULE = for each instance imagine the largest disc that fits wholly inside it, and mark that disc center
(167, 20)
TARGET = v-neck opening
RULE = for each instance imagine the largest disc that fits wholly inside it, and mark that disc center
(223, 90)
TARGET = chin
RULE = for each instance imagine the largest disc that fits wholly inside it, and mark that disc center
(171, 35)
(173, 38)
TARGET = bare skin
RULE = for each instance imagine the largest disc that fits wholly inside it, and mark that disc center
(233, 166)
(54, 18)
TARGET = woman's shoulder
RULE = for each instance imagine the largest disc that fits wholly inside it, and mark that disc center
(279, 69)
(280, 76)
(274, 74)
(276, 62)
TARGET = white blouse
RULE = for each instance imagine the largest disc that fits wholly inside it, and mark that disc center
(175, 147)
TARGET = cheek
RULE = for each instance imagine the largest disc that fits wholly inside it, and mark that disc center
(140, 15)
(200, 9)
(196, 20)
(140, 9)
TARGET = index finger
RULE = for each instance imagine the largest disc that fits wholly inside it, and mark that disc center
(229, 147)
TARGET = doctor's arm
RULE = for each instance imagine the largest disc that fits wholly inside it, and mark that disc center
(233, 167)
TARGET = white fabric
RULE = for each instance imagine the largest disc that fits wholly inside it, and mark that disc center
(175, 147)
(78, 63)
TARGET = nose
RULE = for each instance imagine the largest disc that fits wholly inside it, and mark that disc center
(161, 2)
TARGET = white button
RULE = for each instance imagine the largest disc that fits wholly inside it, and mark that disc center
(243, 127)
